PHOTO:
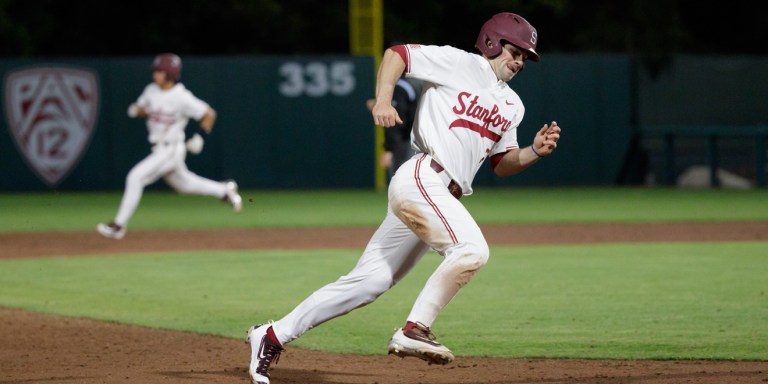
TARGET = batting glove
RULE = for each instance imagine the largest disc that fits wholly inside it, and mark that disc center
(195, 144)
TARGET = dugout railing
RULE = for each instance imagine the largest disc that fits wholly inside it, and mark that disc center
(712, 135)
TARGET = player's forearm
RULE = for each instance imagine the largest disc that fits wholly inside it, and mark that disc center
(206, 123)
(390, 70)
(516, 161)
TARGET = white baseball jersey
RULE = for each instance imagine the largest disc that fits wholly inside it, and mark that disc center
(472, 115)
(169, 111)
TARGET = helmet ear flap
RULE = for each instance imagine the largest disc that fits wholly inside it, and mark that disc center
(488, 46)
(489, 43)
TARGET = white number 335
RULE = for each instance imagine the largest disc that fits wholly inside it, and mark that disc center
(316, 79)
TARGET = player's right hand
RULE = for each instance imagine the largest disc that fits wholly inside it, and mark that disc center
(133, 110)
(385, 114)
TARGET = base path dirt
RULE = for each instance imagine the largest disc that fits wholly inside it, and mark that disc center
(40, 348)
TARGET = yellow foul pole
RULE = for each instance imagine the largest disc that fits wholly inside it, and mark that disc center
(366, 35)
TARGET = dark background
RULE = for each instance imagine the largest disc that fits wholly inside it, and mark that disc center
(684, 62)
(649, 29)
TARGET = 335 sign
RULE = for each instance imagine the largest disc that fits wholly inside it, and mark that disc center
(317, 79)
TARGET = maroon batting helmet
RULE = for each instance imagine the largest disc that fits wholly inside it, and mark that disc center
(170, 64)
(511, 28)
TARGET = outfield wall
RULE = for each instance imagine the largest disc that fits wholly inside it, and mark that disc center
(284, 122)
(301, 121)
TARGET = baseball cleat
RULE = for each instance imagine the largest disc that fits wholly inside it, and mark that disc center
(419, 342)
(265, 349)
(233, 197)
(111, 230)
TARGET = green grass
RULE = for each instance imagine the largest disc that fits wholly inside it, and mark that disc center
(72, 211)
(658, 301)
(167, 210)
(623, 301)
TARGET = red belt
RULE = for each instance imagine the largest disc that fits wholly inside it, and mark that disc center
(453, 187)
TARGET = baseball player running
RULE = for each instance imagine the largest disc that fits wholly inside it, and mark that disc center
(467, 114)
(168, 105)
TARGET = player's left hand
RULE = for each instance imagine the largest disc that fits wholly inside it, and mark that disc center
(195, 144)
(546, 139)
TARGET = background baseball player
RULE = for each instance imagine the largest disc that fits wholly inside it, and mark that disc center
(168, 105)
(466, 115)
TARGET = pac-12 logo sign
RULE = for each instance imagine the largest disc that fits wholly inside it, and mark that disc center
(51, 113)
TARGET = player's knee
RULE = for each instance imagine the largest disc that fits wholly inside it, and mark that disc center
(374, 286)
(370, 287)
(480, 254)
(174, 183)
(470, 256)
(464, 260)
(134, 178)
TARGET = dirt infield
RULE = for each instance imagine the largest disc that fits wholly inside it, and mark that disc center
(38, 348)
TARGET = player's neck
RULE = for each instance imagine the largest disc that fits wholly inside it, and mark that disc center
(166, 85)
